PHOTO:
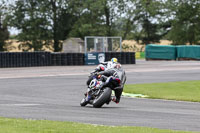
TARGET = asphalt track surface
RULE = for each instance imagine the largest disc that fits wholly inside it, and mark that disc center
(54, 93)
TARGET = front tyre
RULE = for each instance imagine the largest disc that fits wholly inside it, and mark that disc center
(83, 102)
(103, 98)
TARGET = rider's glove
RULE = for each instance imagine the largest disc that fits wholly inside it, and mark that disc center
(99, 76)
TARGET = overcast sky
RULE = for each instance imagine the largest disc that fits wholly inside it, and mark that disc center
(13, 31)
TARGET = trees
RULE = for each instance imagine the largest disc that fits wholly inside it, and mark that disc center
(4, 34)
(185, 22)
(142, 20)
(40, 22)
(97, 18)
(146, 15)
(43, 22)
(90, 22)
(60, 15)
(32, 23)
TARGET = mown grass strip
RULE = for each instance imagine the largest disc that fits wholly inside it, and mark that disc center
(8, 125)
(182, 91)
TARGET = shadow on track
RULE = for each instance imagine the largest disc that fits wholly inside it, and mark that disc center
(103, 107)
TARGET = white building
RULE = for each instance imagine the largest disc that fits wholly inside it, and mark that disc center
(73, 45)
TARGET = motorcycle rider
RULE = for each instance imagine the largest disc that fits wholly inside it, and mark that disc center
(103, 66)
(106, 65)
(114, 78)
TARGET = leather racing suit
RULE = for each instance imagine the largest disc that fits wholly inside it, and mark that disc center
(114, 78)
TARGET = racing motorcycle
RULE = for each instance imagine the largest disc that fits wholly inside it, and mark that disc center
(97, 95)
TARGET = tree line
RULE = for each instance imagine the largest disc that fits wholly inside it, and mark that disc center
(43, 22)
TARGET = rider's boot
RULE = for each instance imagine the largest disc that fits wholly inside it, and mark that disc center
(114, 99)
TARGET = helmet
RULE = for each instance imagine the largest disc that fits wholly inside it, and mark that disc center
(114, 60)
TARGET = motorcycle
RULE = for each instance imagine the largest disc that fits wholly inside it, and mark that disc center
(97, 95)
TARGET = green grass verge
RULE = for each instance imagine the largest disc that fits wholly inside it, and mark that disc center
(183, 91)
(8, 125)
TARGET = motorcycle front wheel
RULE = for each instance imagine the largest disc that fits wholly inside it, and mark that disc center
(83, 102)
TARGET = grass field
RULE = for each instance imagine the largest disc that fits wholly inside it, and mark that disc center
(183, 91)
(8, 125)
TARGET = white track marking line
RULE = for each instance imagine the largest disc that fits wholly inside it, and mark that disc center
(19, 104)
(45, 75)
(161, 69)
(32, 75)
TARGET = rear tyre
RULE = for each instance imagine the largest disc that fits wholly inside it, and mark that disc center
(103, 98)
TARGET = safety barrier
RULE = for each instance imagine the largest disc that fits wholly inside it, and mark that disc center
(24, 59)
(160, 52)
(123, 57)
(63, 59)
(188, 52)
(170, 52)
(31, 59)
